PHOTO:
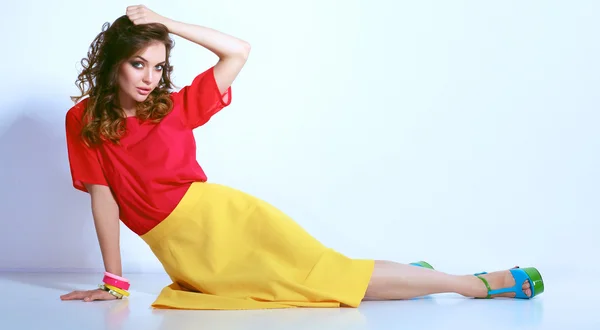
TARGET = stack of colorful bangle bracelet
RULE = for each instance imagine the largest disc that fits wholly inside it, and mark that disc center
(115, 285)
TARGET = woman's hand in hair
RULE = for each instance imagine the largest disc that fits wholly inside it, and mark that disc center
(141, 14)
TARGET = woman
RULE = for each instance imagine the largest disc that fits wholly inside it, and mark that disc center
(132, 149)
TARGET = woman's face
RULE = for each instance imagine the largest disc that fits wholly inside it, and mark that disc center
(140, 74)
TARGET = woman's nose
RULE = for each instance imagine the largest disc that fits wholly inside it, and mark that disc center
(148, 76)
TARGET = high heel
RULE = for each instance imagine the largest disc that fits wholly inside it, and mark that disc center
(520, 275)
(421, 264)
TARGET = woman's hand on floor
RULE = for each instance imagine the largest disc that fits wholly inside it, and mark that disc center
(89, 295)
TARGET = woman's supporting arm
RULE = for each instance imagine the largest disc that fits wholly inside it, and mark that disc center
(106, 220)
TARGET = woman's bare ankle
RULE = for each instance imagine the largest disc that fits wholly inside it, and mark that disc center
(472, 287)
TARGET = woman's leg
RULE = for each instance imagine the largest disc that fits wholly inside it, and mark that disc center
(394, 281)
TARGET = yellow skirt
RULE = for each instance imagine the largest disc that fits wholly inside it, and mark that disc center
(227, 250)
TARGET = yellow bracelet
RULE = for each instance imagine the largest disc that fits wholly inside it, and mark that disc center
(109, 290)
(117, 290)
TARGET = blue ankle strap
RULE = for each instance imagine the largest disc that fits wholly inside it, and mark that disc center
(519, 275)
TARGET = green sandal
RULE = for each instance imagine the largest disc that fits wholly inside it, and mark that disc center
(421, 264)
(520, 275)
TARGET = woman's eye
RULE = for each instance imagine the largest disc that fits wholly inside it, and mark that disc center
(136, 64)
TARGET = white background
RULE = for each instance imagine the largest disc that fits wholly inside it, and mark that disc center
(464, 133)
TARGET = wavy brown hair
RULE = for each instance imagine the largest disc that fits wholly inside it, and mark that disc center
(103, 117)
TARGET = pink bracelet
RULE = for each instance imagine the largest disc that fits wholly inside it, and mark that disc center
(116, 283)
(114, 280)
(118, 278)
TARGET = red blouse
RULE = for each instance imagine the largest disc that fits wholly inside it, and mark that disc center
(155, 164)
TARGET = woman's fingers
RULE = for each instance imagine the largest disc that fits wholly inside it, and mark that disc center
(89, 295)
(73, 295)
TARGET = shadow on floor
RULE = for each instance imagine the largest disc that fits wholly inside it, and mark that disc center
(46, 224)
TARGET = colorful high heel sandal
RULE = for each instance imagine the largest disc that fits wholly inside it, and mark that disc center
(520, 275)
(421, 264)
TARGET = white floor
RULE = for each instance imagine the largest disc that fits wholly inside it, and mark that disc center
(31, 301)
